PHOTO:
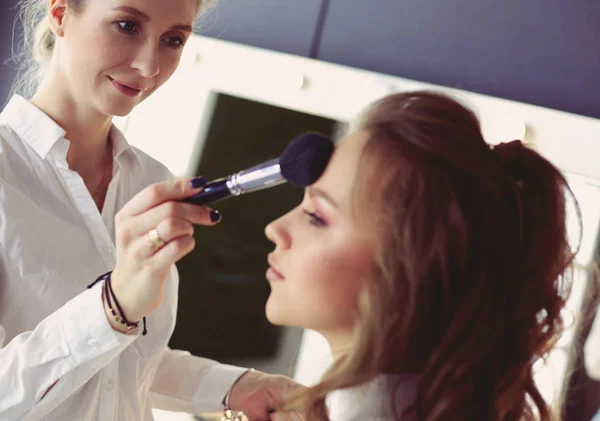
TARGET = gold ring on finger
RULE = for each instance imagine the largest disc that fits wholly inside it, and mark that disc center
(155, 240)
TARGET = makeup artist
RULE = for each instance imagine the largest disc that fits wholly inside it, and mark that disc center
(91, 228)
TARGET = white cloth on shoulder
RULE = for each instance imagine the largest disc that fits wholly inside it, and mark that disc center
(371, 401)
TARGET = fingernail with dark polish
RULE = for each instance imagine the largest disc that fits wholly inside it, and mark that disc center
(215, 216)
(198, 182)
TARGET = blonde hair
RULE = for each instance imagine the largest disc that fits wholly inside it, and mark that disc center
(38, 41)
(472, 269)
(36, 46)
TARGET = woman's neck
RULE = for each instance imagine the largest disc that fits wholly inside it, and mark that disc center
(340, 343)
(87, 129)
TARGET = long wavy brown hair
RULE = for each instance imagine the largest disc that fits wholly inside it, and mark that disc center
(472, 268)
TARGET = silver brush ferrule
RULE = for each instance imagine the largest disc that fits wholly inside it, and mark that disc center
(267, 174)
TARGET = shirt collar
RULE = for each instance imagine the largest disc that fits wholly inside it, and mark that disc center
(32, 125)
(42, 133)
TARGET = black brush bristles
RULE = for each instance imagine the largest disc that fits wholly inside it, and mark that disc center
(305, 158)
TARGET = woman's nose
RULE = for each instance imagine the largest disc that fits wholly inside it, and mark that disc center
(275, 231)
(146, 60)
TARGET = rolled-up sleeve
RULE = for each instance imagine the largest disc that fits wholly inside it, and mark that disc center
(41, 368)
(186, 383)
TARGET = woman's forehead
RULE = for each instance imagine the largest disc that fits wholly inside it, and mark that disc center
(170, 11)
(341, 172)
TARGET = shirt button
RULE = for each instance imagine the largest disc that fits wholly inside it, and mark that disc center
(108, 249)
(110, 385)
(92, 342)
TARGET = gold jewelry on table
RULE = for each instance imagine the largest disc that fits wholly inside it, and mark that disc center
(155, 241)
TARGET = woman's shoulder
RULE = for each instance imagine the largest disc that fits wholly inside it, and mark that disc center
(5, 134)
(9, 141)
(6, 131)
(372, 401)
(25, 130)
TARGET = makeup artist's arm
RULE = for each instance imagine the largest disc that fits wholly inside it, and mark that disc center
(191, 384)
(187, 383)
(41, 368)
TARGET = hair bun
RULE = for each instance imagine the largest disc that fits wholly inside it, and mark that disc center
(510, 154)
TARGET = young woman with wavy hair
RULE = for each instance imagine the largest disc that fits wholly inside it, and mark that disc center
(435, 265)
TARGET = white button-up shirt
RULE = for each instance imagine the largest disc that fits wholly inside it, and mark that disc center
(53, 243)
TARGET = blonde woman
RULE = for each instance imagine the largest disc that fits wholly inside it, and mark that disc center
(76, 202)
(434, 265)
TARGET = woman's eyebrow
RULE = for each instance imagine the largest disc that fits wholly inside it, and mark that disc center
(138, 14)
(134, 12)
(317, 192)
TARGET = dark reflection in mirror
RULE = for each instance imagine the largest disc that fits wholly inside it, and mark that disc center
(222, 291)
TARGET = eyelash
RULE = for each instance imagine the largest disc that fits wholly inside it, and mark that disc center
(315, 219)
(120, 23)
(180, 42)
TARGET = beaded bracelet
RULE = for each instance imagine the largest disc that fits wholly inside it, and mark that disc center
(107, 294)
(120, 316)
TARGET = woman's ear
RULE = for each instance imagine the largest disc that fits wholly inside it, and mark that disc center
(57, 10)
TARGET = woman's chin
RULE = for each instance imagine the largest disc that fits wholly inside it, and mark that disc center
(118, 110)
(274, 314)
(118, 105)
(269, 312)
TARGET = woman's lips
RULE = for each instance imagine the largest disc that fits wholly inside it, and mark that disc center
(126, 90)
(272, 275)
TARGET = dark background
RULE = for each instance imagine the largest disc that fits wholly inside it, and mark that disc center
(222, 287)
